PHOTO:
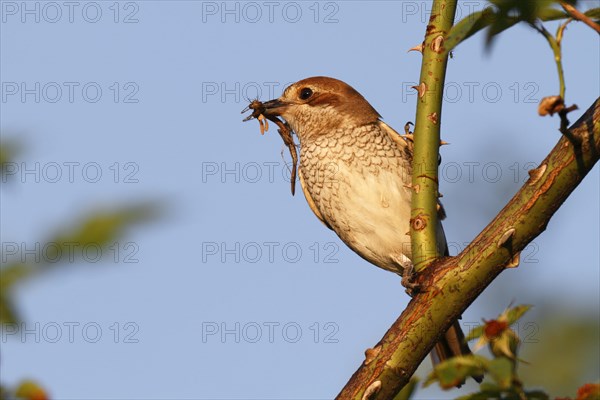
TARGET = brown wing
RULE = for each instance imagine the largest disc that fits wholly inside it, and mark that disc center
(405, 146)
(310, 201)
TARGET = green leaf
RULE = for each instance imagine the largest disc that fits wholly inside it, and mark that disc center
(501, 370)
(408, 390)
(504, 15)
(511, 12)
(487, 391)
(483, 395)
(475, 333)
(488, 386)
(505, 345)
(100, 229)
(552, 14)
(468, 26)
(8, 315)
(515, 313)
(13, 273)
(527, 11)
(456, 370)
(8, 152)
(498, 27)
(537, 395)
(103, 227)
(593, 13)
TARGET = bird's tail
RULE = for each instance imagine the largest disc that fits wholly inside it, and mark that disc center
(452, 344)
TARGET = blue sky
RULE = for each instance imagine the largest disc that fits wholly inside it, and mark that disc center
(239, 292)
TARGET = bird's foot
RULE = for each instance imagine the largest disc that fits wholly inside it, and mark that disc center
(407, 130)
(409, 281)
(409, 276)
(408, 134)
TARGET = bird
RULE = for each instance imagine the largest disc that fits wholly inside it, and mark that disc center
(355, 173)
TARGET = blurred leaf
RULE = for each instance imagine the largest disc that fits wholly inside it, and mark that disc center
(552, 14)
(493, 328)
(504, 15)
(589, 391)
(510, 12)
(487, 391)
(512, 315)
(408, 390)
(527, 11)
(501, 370)
(497, 28)
(475, 333)
(101, 229)
(490, 391)
(13, 273)
(593, 13)
(456, 370)
(8, 152)
(9, 276)
(505, 345)
(468, 26)
(31, 390)
(8, 314)
(537, 395)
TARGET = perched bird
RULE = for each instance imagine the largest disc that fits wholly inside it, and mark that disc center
(355, 172)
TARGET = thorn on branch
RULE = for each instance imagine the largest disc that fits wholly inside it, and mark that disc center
(418, 48)
(506, 237)
(372, 390)
(370, 354)
(514, 261)
(422, 88)
(536, 173)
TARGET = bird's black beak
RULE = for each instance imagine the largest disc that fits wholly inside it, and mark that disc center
(269, 109)
(273, 108)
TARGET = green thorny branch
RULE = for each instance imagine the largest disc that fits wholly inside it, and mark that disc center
(424, 220)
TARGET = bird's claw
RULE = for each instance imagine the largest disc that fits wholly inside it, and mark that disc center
(409, 276)
(407, 130)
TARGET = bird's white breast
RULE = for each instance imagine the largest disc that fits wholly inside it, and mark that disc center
(358, 182)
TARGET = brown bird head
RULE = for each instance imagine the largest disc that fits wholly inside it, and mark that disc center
(318, 105)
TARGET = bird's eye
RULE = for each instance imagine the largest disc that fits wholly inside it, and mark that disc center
(305, 93)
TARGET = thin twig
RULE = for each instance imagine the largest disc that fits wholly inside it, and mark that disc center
(578, 15)
(555, 45)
